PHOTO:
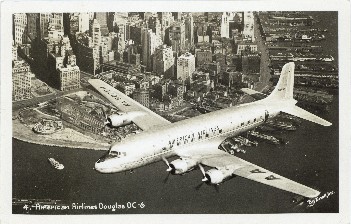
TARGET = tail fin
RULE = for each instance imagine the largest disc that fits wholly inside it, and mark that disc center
(285, 85)
(284, 91)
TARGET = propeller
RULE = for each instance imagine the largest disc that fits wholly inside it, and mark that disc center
(205, 180)
(167, 163)
(203, 173)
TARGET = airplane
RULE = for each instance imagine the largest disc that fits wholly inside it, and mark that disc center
(196, 140)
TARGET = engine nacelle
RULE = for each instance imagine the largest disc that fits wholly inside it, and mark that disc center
(180, 166)
(217, 176)
(117, 120)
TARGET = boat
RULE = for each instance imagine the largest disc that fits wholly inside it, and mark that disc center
(56, 164)
(268, 138)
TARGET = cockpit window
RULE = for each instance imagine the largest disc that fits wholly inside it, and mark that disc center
(117, 153)
(112, 154)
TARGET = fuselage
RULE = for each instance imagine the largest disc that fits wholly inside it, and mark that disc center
(153, 145)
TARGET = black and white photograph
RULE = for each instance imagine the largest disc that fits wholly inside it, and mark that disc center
(175, 109)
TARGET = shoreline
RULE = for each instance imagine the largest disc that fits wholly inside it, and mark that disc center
(26, 135)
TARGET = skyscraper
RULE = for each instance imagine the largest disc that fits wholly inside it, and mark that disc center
(32, 26)
(185, 66)
(189, 29)
(177, 36)
(164, 61)
(225, 25)
(83, 22)
(101, 17)
(96, 33)
(19, 28)
(150, 41)
(21, 78)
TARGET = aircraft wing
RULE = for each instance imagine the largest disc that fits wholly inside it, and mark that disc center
(146, 118)
(253, 93)
(213, 157)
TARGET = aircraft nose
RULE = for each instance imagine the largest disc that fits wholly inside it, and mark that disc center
(99, 166)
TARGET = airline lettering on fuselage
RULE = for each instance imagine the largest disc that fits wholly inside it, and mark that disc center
(184, 139)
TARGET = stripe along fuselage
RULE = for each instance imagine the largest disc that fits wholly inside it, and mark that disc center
(152, 145)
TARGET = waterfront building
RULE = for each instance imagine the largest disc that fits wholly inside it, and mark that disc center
(164, 61)
(75, 114)
(21, 80)
(185, 66)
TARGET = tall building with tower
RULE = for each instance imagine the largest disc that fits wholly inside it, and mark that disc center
(185, 66)
(189, 29)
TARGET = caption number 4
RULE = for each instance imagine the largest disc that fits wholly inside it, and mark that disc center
(26, 207)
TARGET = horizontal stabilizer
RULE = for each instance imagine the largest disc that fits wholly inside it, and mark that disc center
(301, 113)
(256, 95)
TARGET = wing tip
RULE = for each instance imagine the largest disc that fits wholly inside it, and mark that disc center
(313, 194)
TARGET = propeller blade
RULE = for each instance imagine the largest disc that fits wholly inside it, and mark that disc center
(167, 177)
(202, 169)
(203, 173)
(167, 163)
(199, 186)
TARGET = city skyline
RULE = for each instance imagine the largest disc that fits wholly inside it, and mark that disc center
(178, 65)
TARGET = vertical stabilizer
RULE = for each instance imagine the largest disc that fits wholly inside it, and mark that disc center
(285, 85)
